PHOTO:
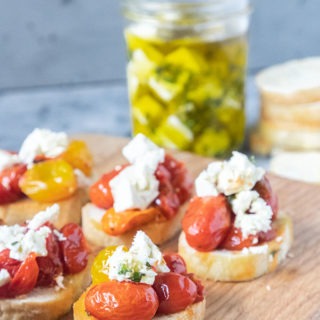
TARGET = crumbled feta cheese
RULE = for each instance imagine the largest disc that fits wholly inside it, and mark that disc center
(4, 277)
(21, 241)
(59, 282)
(140, 264)
(8, 159)
(252, 213)
(139, 147)
(228, 177)
(59, 235)
(48, 215)
(43, 142)
(135, 187)
(82, 180)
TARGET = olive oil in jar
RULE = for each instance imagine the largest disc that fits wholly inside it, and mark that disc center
(187, 89)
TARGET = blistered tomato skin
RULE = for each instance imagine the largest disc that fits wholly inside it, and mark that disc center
(235, 241)
(121, 301)
(49, 181)
(74, 249)
(175, 292)
(99, 262)
(207, 222)
(9, 183)
(175, 262)
(263, 187)
(78, 156)
(100, 192)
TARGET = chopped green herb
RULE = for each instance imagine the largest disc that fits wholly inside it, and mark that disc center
(137, 276)
(124, 269)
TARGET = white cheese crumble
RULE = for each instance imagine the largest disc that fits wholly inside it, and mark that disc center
(139, 147)
(82, 180)
(135, 187)
(48, 215)
(228, 177)
(43, 142)
(8, 159)
(4, 277)
(59, 282)
(252, 213)
(140, 264)
(22, 240)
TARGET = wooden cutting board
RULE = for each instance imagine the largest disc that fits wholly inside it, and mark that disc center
(293, 290)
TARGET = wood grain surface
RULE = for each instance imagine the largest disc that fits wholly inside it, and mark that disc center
(293, 290)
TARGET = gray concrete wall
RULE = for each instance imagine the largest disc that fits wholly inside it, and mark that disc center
(79, 41)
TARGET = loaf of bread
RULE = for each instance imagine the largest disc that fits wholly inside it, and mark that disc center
(290, 107)
(239, 265)
(158, 231)
(46, 303)
(20, 211)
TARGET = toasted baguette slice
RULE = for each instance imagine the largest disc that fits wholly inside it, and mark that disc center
(290, 83)
(241, 265)
(303, 166)
(22, 210)
(195, 311)
(46, 303)
(158, 231)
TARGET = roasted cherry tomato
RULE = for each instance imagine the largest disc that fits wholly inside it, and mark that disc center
(267, 236)
(200, 287)
(207, 222)
(79, 156)
(50, 266)
(181, 179)
(99, 262)
(74, 249)
(100, 192)
(235, 241)
(263, 187)
(11, 265)
(49, 181)
(117, 223)
(25, 278)
(175, 262)
(9, 183)
(121, 301)
(175, 292)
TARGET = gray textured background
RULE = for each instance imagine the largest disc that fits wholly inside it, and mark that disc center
(78, 41)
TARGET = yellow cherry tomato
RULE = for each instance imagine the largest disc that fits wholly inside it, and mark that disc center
(100, 262)
(79, 156)
(49, 181)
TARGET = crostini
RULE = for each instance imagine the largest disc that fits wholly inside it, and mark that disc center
(140, 284)
(148, 193)
(43, 270)
(232, 230)
(49, 168)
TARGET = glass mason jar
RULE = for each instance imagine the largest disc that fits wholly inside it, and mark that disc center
(186, 72)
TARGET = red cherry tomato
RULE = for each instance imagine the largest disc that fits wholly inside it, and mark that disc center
(25, 278)
(207, 222)
(74, 249)
(263, 187)
(267, 236)
(234, 240)
(175, 262)
(50, 266)
(121, 301)
(11, 265)
(100, 192)
(200, 287)
(181, 179)
(175, 292)
(9, 183)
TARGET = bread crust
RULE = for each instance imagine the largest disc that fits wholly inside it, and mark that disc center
(46, 303)
(24, 209)
(240, 265)
(158, 231)
(195, 311)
